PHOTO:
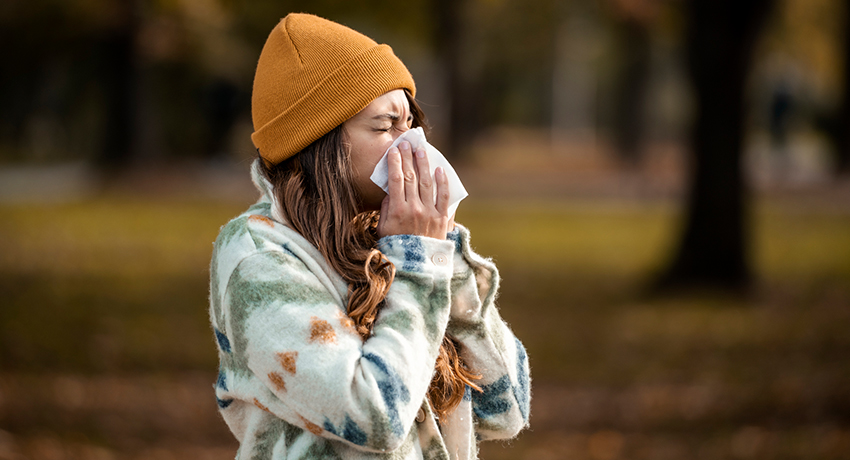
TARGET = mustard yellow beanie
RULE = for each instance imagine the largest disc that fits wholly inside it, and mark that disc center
(314, 74)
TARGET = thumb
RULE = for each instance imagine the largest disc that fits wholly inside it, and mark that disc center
(382, 219)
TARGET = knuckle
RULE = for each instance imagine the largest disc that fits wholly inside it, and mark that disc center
(397, 177)
(409, 176)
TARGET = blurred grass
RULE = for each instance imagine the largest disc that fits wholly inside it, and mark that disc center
(112, 293)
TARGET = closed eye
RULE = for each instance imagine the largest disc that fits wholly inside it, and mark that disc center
(392, 127)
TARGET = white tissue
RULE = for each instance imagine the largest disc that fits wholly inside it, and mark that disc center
(416, 138)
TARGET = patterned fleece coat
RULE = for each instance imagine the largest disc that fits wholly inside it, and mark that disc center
(296, 380)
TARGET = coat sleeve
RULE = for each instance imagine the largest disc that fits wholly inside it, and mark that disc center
(487, 345)
(310, 366)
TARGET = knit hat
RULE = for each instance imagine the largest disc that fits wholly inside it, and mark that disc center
(314, 74)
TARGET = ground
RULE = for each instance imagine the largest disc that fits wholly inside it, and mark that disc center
(106, 352)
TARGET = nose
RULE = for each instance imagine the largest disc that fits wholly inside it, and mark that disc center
(399, 131)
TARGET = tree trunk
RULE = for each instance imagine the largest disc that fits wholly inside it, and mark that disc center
(460, 123)
(631, 90)
(713, 250)
(842, 133)
(118, 79)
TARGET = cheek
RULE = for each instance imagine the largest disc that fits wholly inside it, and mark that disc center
(368, 146)
(372, 153)
(380, 149)
(365, 155)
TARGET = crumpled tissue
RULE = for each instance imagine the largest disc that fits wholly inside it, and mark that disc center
(416, 138)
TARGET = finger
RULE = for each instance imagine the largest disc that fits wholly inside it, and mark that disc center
(426, 181)
(410, 188)
(382, 219)
(442, 191)
(395, 176)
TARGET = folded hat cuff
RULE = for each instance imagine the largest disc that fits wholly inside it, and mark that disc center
(338, 97)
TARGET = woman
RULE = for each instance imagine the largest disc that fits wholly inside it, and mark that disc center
(353, 323)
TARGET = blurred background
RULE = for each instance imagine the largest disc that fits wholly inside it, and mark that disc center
(664, 184)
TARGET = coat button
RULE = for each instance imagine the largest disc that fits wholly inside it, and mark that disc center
(420, 416)
(439, 259)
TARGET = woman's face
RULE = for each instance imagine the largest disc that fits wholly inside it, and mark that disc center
(369, 134)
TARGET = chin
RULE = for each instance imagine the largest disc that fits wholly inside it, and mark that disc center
(373, 207)
(367, 204)
(372, 201)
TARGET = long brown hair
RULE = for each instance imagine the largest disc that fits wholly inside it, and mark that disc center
(317, 196)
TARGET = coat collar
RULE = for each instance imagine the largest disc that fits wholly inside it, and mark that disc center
(266, 191)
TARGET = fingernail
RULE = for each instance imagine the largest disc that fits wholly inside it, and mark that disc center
(404, 145)
(394, 150)
(420, 153)
(439, 172)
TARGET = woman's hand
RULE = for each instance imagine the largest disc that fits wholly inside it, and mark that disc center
(410, 207)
